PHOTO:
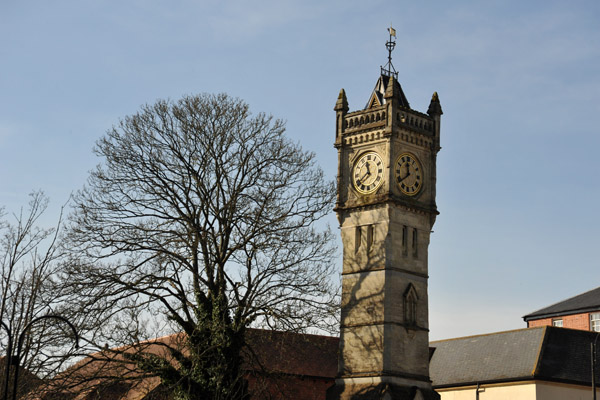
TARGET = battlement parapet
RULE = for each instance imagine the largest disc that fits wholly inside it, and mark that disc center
(377, 117)
(365, 119)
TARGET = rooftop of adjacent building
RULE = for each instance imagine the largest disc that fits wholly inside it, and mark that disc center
(544, 353)
(533, 354)
(584, 302)
(303, 362)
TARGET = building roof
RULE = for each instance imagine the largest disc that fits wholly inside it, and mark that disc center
(543, 353)
(381, 87)
(293, 353)
(27, 381)
(268, 355)
(585, 302)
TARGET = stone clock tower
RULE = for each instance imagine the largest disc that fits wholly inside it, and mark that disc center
(386, 209)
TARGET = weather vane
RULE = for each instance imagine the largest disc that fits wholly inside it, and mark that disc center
(388, 69)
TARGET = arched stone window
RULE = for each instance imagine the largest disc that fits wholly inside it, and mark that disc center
(410, 305)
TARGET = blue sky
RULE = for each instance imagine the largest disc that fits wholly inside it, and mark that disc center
(518, 183)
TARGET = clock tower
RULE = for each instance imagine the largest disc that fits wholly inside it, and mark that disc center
(386, 209)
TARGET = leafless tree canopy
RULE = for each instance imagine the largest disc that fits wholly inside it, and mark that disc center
(203, 214)
(29, 262)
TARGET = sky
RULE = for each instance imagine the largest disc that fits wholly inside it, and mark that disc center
(518, 187)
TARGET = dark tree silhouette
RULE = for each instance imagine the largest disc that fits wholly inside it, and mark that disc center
(30, 257)
(200, 219)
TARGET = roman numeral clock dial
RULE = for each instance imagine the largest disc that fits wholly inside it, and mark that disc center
(409, 174)
(368, 173)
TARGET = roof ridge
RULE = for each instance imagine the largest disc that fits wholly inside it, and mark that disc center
(540, 351)
(292, 332)
(485, 334)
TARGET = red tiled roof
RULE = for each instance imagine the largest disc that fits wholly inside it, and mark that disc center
(271, 352)
(295, 354)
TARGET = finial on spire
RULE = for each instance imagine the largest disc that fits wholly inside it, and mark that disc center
(388, 69)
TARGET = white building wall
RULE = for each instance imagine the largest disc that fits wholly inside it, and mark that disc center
(507, 391)
(558, 391)
(531, 390)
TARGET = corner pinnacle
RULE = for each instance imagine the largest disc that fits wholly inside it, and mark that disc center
(342, 102)
(394, 91)
(435, 108)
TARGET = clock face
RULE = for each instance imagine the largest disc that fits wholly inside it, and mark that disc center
(368, 173)
(409, 174)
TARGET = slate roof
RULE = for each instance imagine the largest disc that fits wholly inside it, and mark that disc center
(543, 353)
(585, 302)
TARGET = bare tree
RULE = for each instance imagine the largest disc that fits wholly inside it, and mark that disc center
(29, 263)
(201, 220)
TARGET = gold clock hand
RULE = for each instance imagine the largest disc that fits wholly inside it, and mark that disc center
(401, 179)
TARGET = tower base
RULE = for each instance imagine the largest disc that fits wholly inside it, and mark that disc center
(381, 391)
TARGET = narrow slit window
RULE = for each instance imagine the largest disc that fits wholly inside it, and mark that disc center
(357, 239)
(415, 243)
(369, 237)
(404, 239)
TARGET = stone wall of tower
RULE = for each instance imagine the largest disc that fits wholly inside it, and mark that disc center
(384, 331)
(385, 261)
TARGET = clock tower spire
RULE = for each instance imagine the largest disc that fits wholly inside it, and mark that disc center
(386, 209)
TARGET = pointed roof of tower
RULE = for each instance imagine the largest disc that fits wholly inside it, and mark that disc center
(435, 108)
(387, 88)
(342, 102)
